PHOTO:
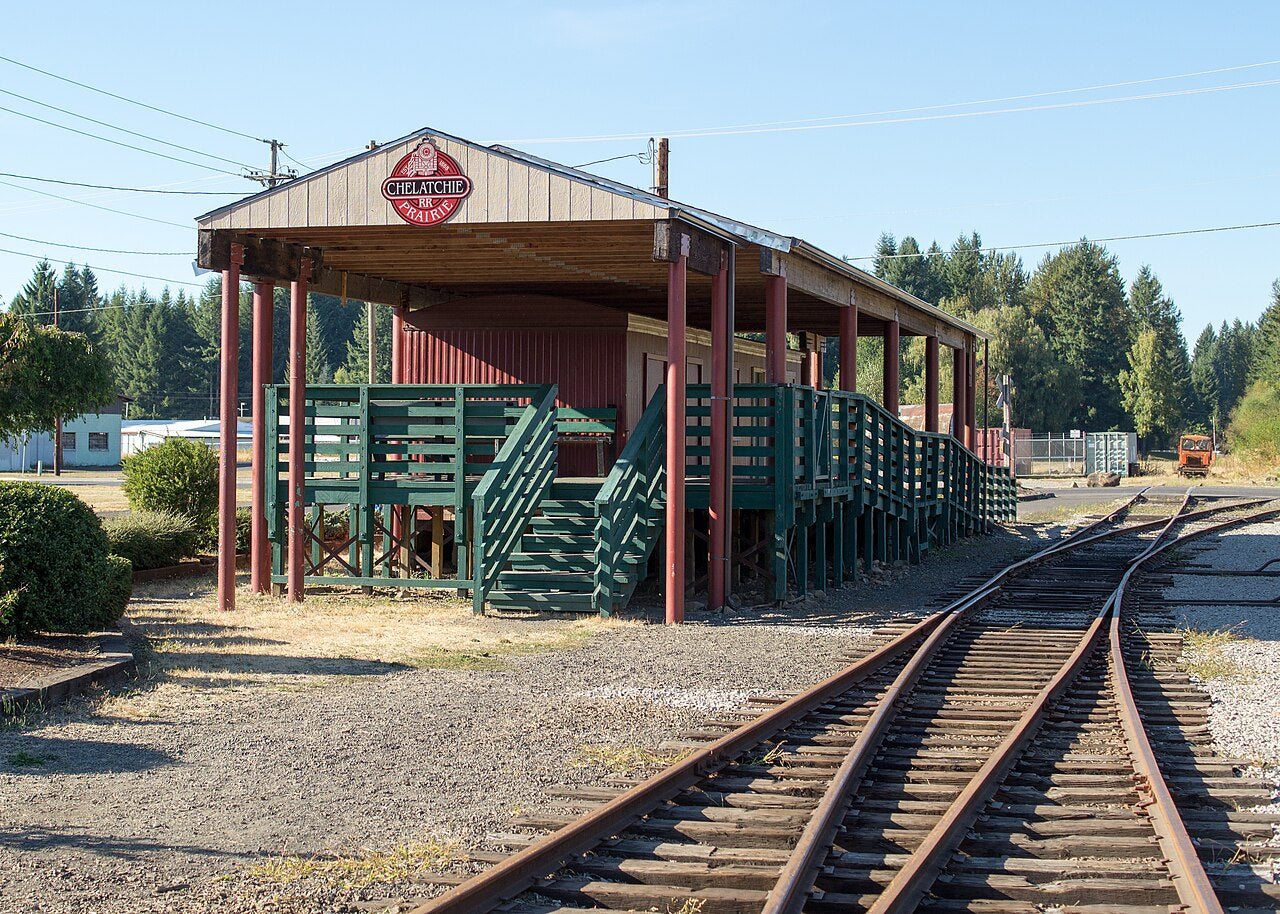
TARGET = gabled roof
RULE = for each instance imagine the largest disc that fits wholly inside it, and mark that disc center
(513, 188)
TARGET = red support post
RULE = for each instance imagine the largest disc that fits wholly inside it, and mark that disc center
(259, 548)
(971, 401)
(959, 412)
(775, 325)
(227, 426)
(721, 357)
(849, 348)
(675, 570)
(892, 356)
(930, 383)
(397, 346)
(297, 397)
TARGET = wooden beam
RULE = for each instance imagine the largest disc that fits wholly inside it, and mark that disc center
(706, 251)
(278, 262)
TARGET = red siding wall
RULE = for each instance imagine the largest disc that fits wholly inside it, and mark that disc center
(585, 357)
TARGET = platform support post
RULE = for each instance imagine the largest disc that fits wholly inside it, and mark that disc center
(677, 274)
(959, 385)
(228, 419)
(259, 548)
(892, 357)
(849, 348)
(930, 383)
(775, 324)
(297, 399)
(971, 401)
(721, 438)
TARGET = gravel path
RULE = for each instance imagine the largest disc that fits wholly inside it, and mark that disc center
(177, 812)
(1242, 673)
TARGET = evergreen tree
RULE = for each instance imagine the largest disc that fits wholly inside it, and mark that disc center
(1204, 380)
(319, 368)
(1148, 386)
(1266, 343)
(968, 289)
(355, 367)
(1154, 311)
(1078, 298)
(1045, 386)
(36, 297)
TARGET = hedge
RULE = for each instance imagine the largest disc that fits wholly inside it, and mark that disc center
(151, 539)
(55, 571)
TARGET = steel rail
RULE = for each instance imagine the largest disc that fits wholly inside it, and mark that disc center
(1190, 879)
(906, 889)
(522, 870)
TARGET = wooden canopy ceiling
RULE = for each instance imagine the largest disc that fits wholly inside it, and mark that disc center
(535, 227)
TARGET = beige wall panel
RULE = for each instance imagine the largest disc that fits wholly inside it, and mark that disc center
(559, 198)
(602, 203)
(297, 202)
(497, 190)
(260, 214)
(579, 202)
(336, 205)
(358, 193)
(539, 195)
(518, 193)
(278, 209)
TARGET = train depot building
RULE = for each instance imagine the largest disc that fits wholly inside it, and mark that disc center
(572, 409)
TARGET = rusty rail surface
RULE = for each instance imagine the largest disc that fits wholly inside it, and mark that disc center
(917, 645)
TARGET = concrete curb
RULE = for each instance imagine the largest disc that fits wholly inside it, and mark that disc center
(205, 564)
(114, 660)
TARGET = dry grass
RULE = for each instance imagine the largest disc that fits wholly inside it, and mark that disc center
(1204, 657)
(361, 869)
(188, 647)
(622, 759)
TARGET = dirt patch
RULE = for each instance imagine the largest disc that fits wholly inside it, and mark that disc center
(33, 658)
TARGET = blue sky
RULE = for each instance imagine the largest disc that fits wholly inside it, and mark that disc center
(327, 78)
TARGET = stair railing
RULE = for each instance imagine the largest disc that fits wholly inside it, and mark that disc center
(629, 503)
(509, 494)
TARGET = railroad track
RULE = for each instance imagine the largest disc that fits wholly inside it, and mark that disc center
(990, 757)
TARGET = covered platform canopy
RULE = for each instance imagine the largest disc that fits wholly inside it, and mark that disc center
(432, 218)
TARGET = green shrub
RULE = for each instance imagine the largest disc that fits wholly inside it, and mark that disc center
(54, 566)
(1255, 425)
(151, 539)
(117, 589)
(244, 525)
(176, 475)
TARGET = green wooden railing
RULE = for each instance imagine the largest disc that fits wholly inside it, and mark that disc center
(512, 489)
(387, 452)
(629, 509)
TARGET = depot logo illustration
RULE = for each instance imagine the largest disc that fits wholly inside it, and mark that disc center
(426, 186)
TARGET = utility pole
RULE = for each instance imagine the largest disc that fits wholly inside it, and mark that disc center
(57, 429)
(273, 176)
(660, 185)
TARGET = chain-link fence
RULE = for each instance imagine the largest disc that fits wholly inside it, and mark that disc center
(1049, 455)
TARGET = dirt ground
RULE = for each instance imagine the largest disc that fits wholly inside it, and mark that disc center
(37, 657)
(310, 759)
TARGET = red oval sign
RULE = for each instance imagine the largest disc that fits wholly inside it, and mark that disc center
(426, 186)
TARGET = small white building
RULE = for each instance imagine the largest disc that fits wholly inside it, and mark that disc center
(139, 434)
(91, 440)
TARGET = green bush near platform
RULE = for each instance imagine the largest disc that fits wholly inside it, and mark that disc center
(56, 574)
(176, 475)
(1255, 424)
(151, 539)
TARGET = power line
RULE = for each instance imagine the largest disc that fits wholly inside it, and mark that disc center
(78, 247)
(106, 209)
(135, 190)
(643, 158)
(94, 136)
(68, 263)
(132, 101)
(1054, 244)
(845, 122)
(110, 126)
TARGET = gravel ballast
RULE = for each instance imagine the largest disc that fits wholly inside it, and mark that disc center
(168, 813)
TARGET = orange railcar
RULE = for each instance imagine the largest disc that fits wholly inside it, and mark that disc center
(1195, 455)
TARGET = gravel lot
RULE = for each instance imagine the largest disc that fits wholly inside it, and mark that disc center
(1245, 711)
(197, 804)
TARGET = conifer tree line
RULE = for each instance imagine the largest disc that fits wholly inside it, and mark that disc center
(1085, 350)
(163, 349)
